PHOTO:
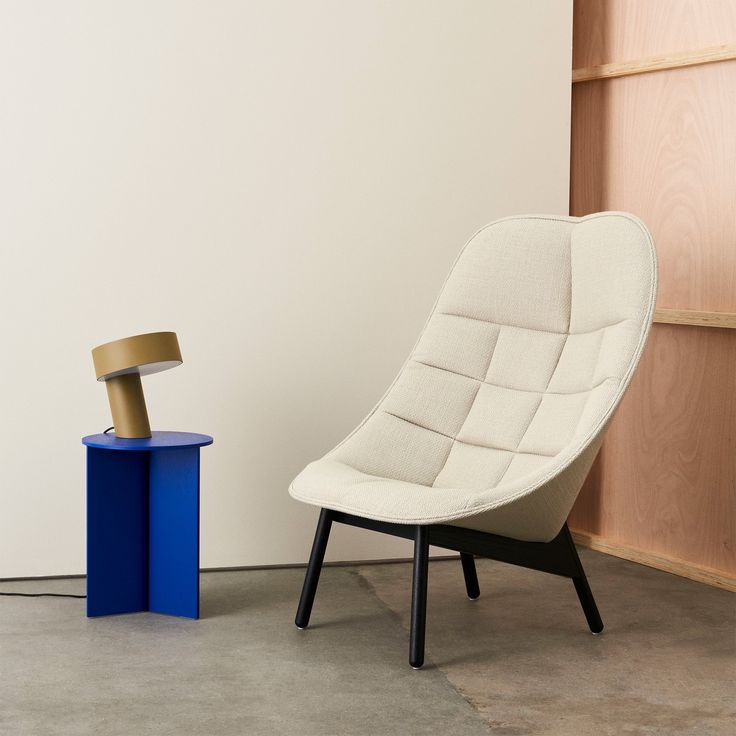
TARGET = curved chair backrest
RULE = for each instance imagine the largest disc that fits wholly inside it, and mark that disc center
(525, 356)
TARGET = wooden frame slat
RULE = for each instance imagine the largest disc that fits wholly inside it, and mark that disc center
(675, 60)
(695, 318)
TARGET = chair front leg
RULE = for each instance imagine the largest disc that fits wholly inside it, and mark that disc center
(314, 568)
(419, 597)
(471, 577)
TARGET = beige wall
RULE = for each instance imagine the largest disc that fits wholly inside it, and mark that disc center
(285, 184)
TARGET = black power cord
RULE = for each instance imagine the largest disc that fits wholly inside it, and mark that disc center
(46, 595)
(51, 595)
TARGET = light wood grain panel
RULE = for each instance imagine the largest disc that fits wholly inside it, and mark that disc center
(676, 566)
(674, 60)
(695, 319)
(663, 147)
(665, 480)
(589, 148)
(608, 31)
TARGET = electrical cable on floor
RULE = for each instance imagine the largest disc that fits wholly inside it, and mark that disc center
(51, 595)
(46, 595)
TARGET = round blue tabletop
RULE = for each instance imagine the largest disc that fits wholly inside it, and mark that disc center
(158, 441)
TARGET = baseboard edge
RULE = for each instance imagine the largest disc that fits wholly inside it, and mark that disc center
(690, 570)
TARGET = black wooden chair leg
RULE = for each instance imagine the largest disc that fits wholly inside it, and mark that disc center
(471, 577)
(314, 568)
(558, 557)
(419, 597)
(585, 595)
(588, 603)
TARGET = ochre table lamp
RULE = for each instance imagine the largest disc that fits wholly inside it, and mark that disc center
(121, 363)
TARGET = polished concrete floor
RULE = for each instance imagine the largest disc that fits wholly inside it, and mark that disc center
(517, 661)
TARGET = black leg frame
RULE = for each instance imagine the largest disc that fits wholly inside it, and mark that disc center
(558, 557)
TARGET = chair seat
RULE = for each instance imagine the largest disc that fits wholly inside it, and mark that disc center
(332, 484)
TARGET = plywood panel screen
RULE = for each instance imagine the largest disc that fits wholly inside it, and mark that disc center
(662, 145)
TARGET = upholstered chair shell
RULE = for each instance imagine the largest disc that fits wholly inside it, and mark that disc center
(490, 428)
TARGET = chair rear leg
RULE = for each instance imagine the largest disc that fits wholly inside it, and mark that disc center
(419, 597)
(471, 577)
(585, 595)
(590, 609)
(314, 568)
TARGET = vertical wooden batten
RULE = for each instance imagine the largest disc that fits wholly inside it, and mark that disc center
(661, 145)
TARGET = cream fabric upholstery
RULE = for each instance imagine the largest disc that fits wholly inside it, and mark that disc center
(496, 418)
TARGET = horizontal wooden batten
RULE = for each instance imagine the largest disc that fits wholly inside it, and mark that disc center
(695, 318)
(660, 562)
(675, 60)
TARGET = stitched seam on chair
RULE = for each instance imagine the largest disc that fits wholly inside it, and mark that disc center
(446, 370)
(535, 329)
(514, 388)
(552, 393)
(503, 449)
(416, 424)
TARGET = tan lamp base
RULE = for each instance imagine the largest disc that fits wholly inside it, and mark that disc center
(121, 363)
(128, 406)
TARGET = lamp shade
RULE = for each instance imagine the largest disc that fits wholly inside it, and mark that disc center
(121, 363)
(141, 354)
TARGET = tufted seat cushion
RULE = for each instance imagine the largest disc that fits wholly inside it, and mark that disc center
(496, 417)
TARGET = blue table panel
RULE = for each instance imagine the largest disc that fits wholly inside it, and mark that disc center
(173, 529)
(117, 532)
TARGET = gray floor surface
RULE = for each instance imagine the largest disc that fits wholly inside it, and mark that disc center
(665, 664)
(517, 661)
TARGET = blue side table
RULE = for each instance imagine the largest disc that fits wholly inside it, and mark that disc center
(143, 523)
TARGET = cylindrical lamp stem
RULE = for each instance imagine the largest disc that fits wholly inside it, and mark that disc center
(128, 406)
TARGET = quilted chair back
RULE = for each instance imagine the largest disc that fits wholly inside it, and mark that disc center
(496, 418)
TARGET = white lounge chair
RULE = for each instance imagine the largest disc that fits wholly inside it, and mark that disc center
(484, 439)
